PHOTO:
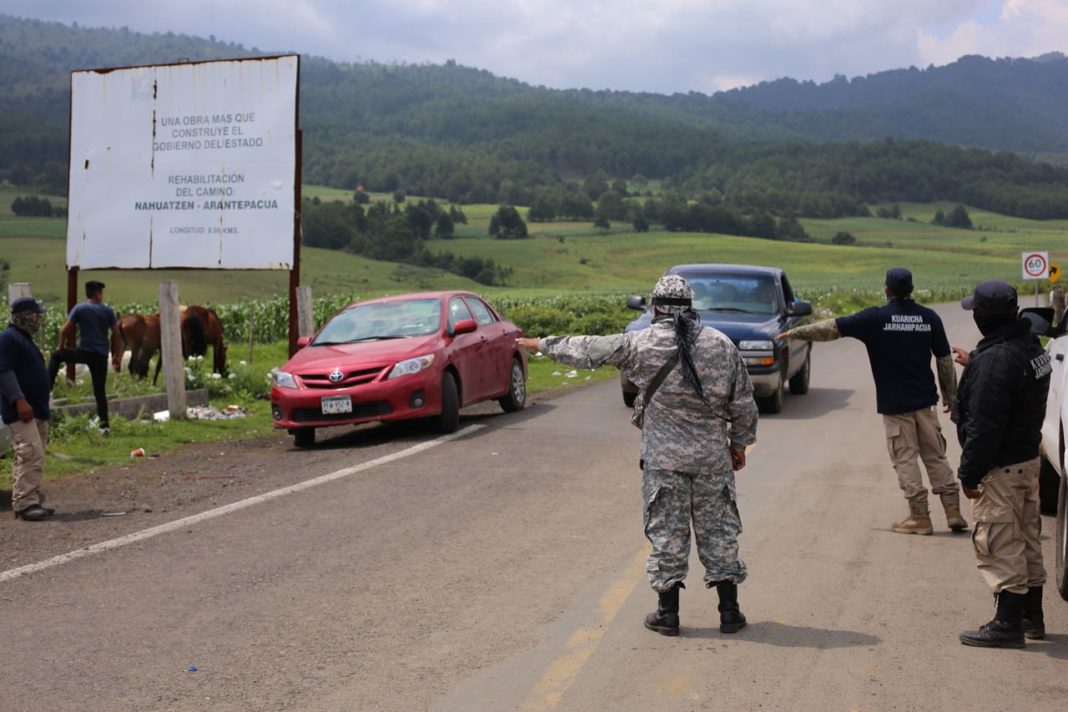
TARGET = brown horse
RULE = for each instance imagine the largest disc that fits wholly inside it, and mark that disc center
(200, 328)
(140, 333)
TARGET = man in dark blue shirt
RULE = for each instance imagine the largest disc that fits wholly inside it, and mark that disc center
(901, 337)
(24, 388)
(93, 319)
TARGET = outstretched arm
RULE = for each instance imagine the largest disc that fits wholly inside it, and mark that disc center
(581, 351)
(826, 330)
(947, 381)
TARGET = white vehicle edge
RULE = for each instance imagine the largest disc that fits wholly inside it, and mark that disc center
(1053, 478)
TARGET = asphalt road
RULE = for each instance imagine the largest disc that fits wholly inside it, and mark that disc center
(504, 569)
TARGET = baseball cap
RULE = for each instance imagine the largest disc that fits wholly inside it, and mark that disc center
(992, 297)
(898, 278)
(26, 304)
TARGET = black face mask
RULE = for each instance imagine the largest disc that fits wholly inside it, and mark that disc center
(989, 323)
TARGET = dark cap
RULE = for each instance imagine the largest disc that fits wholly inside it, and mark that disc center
(899, 279)
(992, 297)
(26, 304)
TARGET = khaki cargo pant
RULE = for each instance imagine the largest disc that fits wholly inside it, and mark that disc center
(27, 469)
(918, 435)
(1007, 528)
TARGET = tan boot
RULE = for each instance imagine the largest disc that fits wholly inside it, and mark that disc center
(954, 519)
(918, 522)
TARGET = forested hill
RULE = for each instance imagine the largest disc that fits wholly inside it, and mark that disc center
(466, 135)
(1003, 104)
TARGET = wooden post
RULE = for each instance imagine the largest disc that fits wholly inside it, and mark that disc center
(171, 348)
(18, 290)
(305, 312)
(72, 299)
(1056, 299)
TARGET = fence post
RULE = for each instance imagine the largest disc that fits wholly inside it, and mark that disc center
(305, 314)
(1057, 302)
(171, 348)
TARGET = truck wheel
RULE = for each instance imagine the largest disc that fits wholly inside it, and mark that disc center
(1061, 559)
(799, 382)
(772, 403)
(1049, 487)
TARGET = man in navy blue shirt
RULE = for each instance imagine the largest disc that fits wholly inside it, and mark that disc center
(93, 319)
(901, 338)
(24, 388)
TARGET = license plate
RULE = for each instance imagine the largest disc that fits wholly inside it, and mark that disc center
(337, 404)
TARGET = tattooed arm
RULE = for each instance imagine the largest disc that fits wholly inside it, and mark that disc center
(947, 380)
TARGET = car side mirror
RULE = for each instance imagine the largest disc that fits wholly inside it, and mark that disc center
(636, 302)
(464, 326)
(303, 341)
(799, 308)
(1041, 319)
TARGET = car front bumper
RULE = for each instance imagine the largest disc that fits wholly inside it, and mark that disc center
(415, 396)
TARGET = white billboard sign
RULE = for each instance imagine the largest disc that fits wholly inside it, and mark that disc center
(184, 165)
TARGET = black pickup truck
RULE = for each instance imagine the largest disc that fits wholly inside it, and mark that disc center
(751, 305)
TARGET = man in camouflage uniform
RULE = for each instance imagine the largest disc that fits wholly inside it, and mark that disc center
(697, 425)
(901, 337)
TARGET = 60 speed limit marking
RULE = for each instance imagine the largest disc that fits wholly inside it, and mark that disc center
(1035, 265)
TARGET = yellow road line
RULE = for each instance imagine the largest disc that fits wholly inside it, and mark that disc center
(558, 679)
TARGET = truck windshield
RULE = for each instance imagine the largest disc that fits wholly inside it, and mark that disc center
(752, 294)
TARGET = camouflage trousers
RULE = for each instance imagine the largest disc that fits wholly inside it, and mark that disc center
(671, 500)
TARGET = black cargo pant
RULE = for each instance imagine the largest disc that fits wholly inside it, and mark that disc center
(98, 370)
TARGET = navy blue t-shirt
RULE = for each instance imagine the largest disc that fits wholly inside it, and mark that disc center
(93, 321)
(21, 356)
(900, 338)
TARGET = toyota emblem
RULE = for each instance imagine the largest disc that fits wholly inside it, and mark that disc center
(336, 375)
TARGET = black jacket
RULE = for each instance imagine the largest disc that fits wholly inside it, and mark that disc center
(1001, 402)
(21, 357)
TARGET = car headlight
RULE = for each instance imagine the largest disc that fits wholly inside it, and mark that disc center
(283, 379)
(756, 346)
(410, 366)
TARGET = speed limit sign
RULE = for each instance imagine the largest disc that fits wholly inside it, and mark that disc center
(1035, 265)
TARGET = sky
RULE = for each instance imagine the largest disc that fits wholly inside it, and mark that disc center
(660, 46)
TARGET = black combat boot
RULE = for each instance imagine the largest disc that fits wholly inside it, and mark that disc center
(1005, 630)
(665, 620)
(1034, 622)
(731, 618)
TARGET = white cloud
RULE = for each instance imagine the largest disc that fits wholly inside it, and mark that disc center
(649, 45)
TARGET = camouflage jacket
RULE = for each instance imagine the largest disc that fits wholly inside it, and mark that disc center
(681, 432)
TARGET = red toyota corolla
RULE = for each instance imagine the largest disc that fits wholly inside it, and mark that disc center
(420, 355)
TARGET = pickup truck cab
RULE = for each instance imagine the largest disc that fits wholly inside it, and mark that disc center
(1053, 478)
(751, 305)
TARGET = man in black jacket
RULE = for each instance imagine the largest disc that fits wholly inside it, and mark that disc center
(1000, 406)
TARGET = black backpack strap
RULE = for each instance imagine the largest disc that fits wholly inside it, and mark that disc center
(659, 377)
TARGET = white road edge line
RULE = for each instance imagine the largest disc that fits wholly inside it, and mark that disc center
(121, 541)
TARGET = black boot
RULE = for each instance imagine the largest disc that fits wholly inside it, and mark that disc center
(1005, 630)
(1034, 622)
(731, 618)
(665, 620)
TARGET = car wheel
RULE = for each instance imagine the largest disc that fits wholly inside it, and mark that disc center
(1049, 486)
(1061, 562)
(449, 419)
(799, 382)
(772, 403)
(516, 397)
(304, 437)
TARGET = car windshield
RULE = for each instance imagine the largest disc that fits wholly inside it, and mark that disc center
(742, 293)
(382, 320)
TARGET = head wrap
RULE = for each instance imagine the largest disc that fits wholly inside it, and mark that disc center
(672, 295)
